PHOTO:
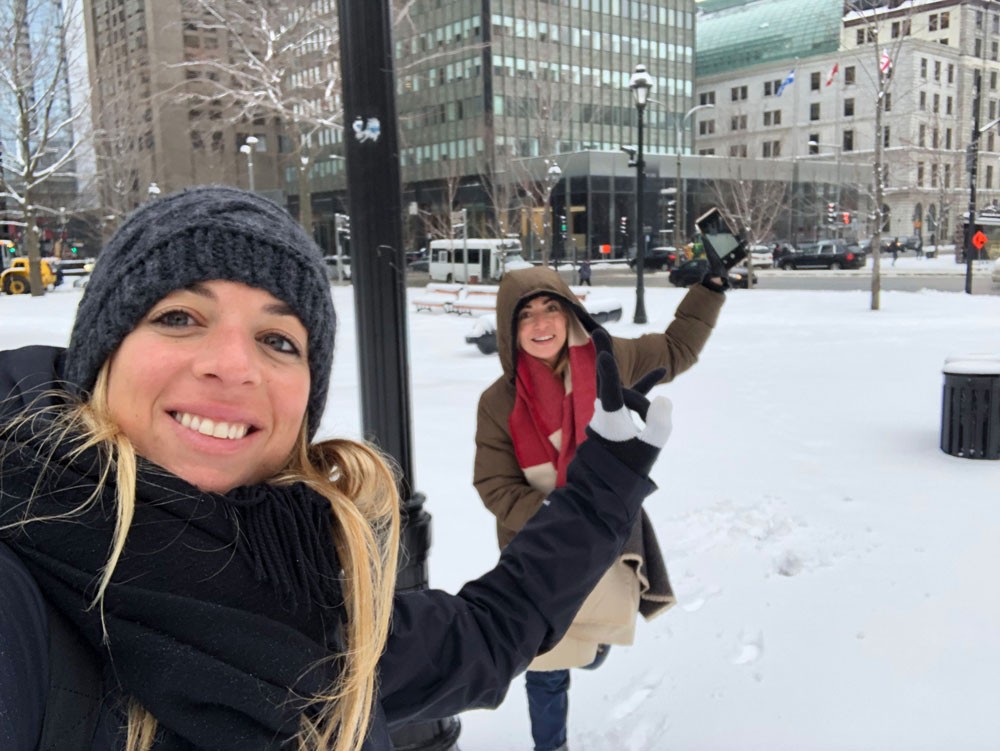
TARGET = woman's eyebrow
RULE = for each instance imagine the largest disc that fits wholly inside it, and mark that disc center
(280, 309)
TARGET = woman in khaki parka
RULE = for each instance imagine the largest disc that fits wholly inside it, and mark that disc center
(530, 421)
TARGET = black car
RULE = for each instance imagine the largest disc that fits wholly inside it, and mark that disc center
(693, 271)
(663, 258)
(825, 254)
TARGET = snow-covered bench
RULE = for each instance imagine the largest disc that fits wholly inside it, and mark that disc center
(483, 299)
(437, 296)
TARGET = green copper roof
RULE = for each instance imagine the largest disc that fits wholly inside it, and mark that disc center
(734, 34)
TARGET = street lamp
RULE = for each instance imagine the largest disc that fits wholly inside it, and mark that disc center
(248, 149)
(641, 83)
(679, 221)
(552, 176)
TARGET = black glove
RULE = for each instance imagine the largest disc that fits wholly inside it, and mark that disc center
(612, 423)
(715, 268)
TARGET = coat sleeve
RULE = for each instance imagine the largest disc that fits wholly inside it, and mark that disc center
(24, 656)
(496, 474)
(449, 653)
(677, 348)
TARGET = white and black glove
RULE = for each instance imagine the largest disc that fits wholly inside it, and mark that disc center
(613, 424)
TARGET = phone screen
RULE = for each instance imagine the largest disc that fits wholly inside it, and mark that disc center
(716, 232)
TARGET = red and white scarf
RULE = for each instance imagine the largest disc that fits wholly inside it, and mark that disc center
(551, 413)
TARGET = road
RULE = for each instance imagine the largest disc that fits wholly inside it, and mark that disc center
(946, 279)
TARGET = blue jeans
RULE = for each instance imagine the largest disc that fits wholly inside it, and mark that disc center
(548, 703)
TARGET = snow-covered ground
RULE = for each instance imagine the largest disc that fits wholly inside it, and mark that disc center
(834, 567)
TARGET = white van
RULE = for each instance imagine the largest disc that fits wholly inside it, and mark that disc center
(483, 260)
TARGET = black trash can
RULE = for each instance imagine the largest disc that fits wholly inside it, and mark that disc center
(970, 410)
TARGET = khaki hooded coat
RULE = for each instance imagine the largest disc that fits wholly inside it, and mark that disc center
(638, 582)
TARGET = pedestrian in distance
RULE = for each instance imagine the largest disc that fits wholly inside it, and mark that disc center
(896, 248)
(218, 578)
(530, 425)
(585, 272)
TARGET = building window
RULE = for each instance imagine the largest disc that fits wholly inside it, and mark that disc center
(849, 75)
(813, 143)
(934, 174)
(814, 111)
(936, 106)
(979, 48)
(937, 70)
(935, 138)
(923, 68)
(738, 122)
(932, 22)
(920, 174)
(922, 136)
(887, 102)
(707, 97)
(738, 150)
(772, 148)
(859, 37)
(848, 141)
(772, 117)
(706, 152)
(989, 176)
(738, 93)
(706, 127)
(771, 87)
(949, 106)
(947, 138)
(923, 101)
(993, 80)
(885, 136)
(951, 73)
(900, 28)
(849, 108)
(814, 82)
(945, 20)
(947, 176)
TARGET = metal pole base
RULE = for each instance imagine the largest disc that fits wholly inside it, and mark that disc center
(435, 735)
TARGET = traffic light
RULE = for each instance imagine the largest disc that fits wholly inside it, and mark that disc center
(73, 249)
(563, 226)
(670, 216)
(623, 226)
(845, 217)
(831, 213)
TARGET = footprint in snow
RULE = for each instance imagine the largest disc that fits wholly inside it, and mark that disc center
(749, 649)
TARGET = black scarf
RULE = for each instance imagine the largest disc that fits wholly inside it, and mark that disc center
(220, 607)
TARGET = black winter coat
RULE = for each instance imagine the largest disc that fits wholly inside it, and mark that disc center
(445, 653)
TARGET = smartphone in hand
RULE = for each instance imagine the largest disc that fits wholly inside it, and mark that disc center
(716, 233)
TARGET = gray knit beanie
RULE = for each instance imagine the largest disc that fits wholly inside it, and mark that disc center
(198, 235)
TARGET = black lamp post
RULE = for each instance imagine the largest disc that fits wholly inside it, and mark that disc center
(640, 83)
(376, 220)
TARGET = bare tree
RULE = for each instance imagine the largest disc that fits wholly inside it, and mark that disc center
(36, 121)
(753, 207)
(437, 217)
(279, 62)
(885, 26)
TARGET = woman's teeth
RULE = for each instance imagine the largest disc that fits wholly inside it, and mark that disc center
(205, 426)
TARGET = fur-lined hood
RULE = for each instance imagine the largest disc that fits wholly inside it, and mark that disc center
(516, 288)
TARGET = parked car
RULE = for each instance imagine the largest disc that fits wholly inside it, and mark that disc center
(761, 256)
(663, 257)
(825, 254)
(15, 281)
(416, 255)
(693, 271)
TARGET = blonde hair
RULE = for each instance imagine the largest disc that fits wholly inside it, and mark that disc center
(361, 489)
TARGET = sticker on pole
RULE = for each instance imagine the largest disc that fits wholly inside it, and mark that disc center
(979, 240)
(367, 130)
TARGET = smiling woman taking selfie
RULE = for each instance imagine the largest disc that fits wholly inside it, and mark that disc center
(183, 567)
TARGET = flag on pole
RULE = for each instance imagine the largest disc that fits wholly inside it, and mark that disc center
(833, 74)
(789, 80)
(886, 62)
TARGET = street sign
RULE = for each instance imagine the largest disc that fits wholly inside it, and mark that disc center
(979, 240)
